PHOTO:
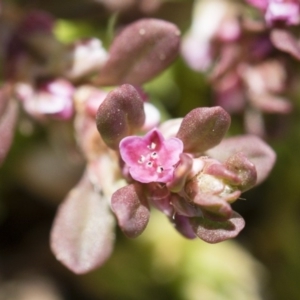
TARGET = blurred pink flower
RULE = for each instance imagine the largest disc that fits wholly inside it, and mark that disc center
(287, 11)
(52, 98)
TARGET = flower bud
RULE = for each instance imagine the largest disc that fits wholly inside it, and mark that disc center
(214, 188)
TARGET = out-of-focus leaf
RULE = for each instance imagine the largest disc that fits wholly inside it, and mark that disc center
(272, 104)
(252, 147)
(203, 128)
(286, 42)
(8, 119)
(82, 235)
(141, 51)
(120, 115)
(131, 209)
(213, 232)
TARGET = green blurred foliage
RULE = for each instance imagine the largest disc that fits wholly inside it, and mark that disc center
(163, 265)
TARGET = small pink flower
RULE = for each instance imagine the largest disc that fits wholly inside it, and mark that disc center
(53, 98)
(151, 158)
(285, 11)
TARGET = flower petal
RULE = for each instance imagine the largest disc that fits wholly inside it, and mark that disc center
(131, 148)
(171, 151)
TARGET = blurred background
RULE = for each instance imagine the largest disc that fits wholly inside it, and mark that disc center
(43, 165)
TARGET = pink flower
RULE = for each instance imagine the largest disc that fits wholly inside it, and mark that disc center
(287, 11)
(52, 98)
(151, 158)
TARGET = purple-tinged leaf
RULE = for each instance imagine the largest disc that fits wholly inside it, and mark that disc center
(141, 51)
(213, 232)
(185, 208)
(286, 42)
(182, 225)
(131, 208)
(120, 114)
(203, 128)
(8, 119)
(82, 235)
(164, 205)
(252, 147)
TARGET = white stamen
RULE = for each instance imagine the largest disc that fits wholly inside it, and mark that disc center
(159, 169)
(142, 159)
(154, 155)
(149, 164)
(152, 146)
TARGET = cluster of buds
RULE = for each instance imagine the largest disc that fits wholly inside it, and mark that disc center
(245, 56)
(182, 167)
(176, 172)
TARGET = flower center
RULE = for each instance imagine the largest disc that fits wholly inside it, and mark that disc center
(151, 160)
